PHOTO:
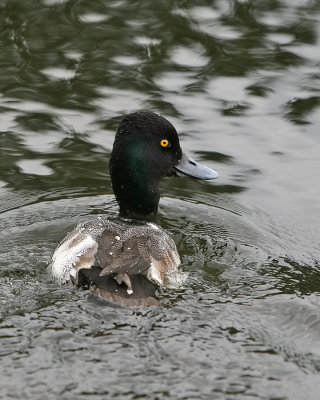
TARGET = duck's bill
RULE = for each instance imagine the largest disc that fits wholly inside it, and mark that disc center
(188, 167)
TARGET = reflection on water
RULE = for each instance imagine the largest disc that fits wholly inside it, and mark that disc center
(240, 81)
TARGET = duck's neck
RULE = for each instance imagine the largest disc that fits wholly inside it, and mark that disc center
(136, 190)
(130, 214)
(136, 201)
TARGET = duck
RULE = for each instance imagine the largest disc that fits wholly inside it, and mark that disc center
(126, 259)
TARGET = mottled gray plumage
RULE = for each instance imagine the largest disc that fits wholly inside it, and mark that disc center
(118, 247)
(125, 247)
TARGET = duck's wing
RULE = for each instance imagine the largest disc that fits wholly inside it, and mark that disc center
(164, 260)
(76, 251)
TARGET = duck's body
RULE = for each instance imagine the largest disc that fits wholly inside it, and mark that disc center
(126, 259)
(119, 249)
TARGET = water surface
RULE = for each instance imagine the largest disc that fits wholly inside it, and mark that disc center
(240, 82)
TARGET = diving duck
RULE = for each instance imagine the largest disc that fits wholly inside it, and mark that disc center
(126, 259)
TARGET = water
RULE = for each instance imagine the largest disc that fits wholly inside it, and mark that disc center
(240, 81)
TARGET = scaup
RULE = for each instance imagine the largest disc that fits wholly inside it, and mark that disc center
(126, 259)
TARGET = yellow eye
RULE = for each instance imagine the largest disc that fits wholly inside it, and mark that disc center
(164, 143)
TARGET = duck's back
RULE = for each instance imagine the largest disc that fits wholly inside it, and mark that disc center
(104, 249)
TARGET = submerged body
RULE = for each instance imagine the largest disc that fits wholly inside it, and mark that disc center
(126, 259)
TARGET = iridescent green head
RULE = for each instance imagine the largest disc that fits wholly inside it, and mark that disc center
(146, 149)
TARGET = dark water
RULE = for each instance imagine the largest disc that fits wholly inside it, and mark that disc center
(240, 80)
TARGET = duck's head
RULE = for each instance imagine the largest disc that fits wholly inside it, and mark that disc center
(146, 149)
